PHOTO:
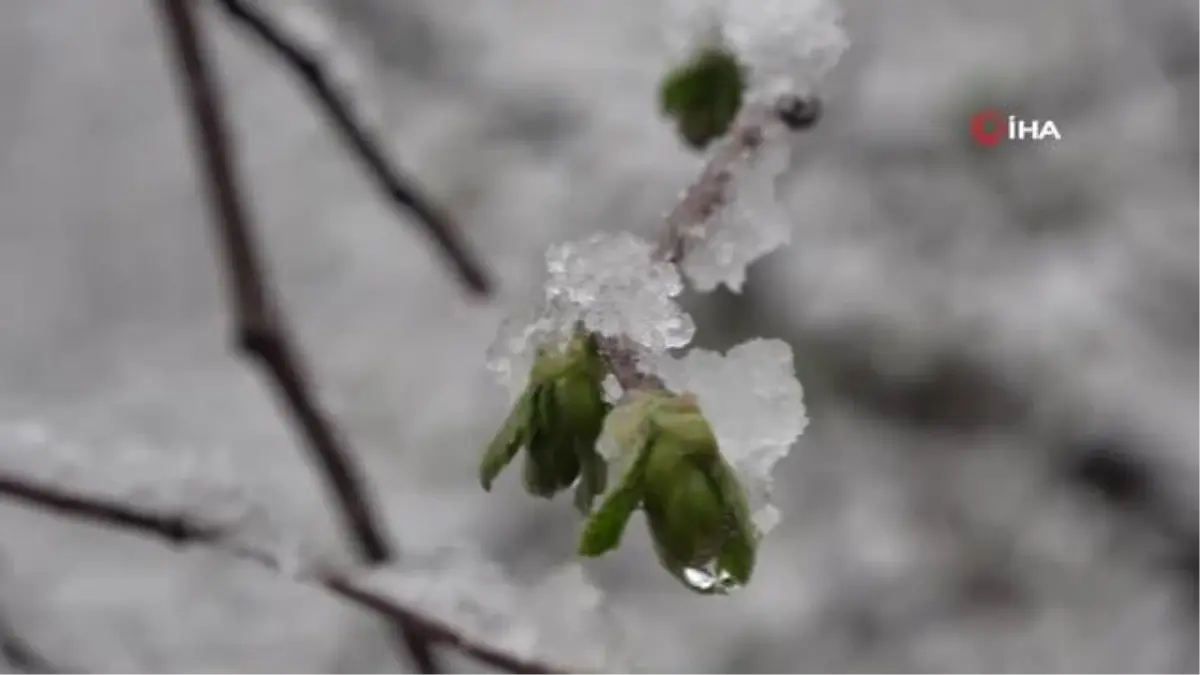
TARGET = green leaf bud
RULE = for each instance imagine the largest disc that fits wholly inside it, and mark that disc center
(557, 419)
(704, 95)
(695, 506)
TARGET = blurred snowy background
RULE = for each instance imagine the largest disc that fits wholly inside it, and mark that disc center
(998, 348)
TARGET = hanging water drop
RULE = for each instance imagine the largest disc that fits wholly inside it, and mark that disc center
(710, 578)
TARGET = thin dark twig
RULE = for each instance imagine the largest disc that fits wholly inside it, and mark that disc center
(261, 332)
(180, 530)
(400, 189)
(174, 529)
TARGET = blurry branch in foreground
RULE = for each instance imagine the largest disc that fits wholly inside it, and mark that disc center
(261, 333)
(180, 530)
(400, 190)
(22, 656)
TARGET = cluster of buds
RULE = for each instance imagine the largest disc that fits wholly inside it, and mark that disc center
(557, 420)
(660, 446)
(748, 67)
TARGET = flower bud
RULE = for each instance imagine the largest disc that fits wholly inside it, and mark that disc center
(557, 420)
(695, 507)
(703, 95)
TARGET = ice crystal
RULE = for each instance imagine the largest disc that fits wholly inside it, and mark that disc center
(609, 284)
(787, 46)
(203, 485)
(203, 482)
(691, 24)
(755, 405)
(561, 618)
(750, 223)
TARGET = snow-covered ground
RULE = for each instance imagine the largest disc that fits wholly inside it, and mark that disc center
(994, 345)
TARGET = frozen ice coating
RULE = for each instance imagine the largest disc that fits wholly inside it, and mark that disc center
(560, 618)
(609, 283)
(786, 45)
(690, 23)
(617, 288)
(510, 356)
(755, 405)
(751, 223)
(201, 482)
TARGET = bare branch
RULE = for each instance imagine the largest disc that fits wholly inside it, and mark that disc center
(261, 333)
(172, 528)
(179, 530)
(400, 189)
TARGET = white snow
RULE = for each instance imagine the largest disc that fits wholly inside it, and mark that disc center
(560, 619)
(755, 405)
(609, 283)
(751, 224)
(786, 45)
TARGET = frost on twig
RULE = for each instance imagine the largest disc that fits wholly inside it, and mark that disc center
(199, 494)
(747, 222)
(198, 481)
(693, 439)
(562, 617)
(788, 45)
(430, 581)
(755, 404)
(611, 285)
(731, 217)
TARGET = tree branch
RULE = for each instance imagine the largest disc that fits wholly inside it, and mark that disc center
(401, 190)
(179, 530)
(709, 193)
(260, 331)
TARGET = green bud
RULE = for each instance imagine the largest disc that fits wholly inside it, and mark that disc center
(557, 420)
(704, 95)
(695, 507)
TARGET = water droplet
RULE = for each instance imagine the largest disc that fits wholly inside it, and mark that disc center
(709, 578)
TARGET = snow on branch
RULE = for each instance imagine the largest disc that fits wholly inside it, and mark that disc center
(261, 333)
(610, 299)
(622, 287)
(711, 192)
(181, 530)
(618, 289)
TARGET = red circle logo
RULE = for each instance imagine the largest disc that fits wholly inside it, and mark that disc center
(987, 127)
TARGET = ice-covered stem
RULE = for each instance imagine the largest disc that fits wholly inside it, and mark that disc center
(261, 333)
(622, 362)
(402, 191)
(704, 197)
(182, 530)
(708, 194)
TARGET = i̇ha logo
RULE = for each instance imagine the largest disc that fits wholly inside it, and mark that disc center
(990, 127)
